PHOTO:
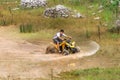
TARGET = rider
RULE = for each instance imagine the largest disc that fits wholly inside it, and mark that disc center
(57, 39)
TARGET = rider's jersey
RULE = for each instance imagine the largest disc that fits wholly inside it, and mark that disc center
(58, 35)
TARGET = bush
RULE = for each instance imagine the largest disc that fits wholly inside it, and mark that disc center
(26, 28)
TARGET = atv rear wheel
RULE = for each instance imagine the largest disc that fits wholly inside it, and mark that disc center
(51, 49)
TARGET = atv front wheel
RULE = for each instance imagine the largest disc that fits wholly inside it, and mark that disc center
(65, 52)
(78, 49)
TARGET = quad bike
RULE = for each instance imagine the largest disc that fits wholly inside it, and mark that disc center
(66, 46)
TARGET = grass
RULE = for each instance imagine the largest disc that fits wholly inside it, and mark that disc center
(92, 74)
(37, 19)
(41, 35)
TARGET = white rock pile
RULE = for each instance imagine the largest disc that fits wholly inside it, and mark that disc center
(57, 11)
(61, 11)
(33, 3)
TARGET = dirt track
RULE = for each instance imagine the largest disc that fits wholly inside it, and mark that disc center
(21, 59)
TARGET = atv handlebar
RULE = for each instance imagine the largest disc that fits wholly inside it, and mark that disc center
(67, 38)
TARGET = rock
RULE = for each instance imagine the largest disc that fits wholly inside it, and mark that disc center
(61, 11)
(14, 9)
(117, 24)
(100, 11)
(33, 3)
(90, 7)
(100, 7)
(50, 12)
(78, 15)
(116, 28)
(57, 11)
(97, 18)
(105, 24)
(93, 13)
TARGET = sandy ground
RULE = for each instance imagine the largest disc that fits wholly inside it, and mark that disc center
(21, 59)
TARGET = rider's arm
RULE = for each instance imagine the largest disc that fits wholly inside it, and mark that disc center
(58, 35)
(67, 36)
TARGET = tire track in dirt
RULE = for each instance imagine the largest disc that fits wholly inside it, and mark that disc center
(21, 59)
(31, 58)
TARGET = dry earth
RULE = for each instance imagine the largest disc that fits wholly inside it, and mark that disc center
(22, 59)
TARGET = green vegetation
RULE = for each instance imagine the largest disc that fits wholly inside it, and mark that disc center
(24, 15)
(26, 28)
(92, 74)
